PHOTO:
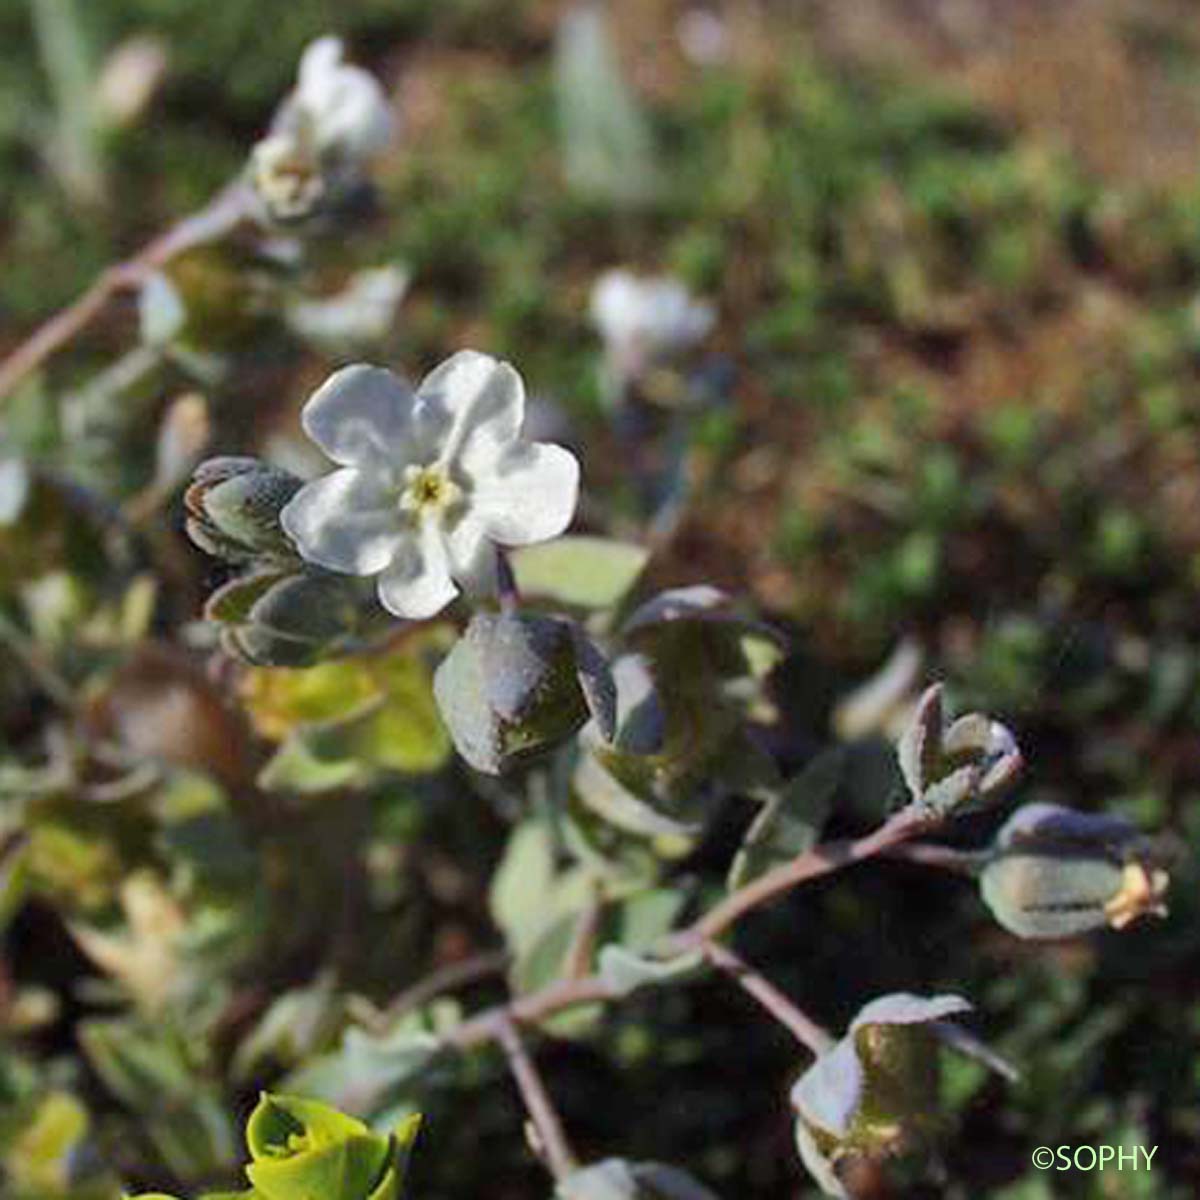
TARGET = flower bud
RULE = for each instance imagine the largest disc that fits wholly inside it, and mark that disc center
(518, 684)
(953, 766)
(288, 618)
(1058, 873)
(233, 509)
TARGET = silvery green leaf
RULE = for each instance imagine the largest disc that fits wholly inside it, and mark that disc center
(511, 687)
(790, 823)
(597, 683)
(872, 707)
(678, 604)
(293, 1027)
(923, 732)
(951, 767)
(460, 686)
(523, 656)
(366, 1070)
(607, 143)
(599, 790)
(951, 792)
(310, 606)
(233, 506)
(624, 971)
(529, 889)
(294, 767)
(579, 570)
(641, 722)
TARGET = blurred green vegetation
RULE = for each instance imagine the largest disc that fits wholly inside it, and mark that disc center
(967, 402)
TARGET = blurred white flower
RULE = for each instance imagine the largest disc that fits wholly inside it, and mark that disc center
(287, 176)
(646, 319)
(363, 311)
(427, 479)
(703, 36)
(161, 311)
(335, 119)
(344, 105)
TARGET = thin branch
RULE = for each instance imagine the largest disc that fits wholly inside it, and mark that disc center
(820, 860)
(506, 583)
(551, 1138)
(232, 205)
(948, 858)
(445, 979)
(806, 1030)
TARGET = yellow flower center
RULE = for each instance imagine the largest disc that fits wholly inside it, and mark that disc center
(428, 491)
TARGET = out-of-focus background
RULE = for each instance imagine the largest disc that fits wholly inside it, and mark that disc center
(954, 251)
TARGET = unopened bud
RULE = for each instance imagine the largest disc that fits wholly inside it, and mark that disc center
(233, 509)
(951, 766)
(1058, 873)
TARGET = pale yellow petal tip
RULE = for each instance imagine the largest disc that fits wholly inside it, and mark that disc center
(1141, 895)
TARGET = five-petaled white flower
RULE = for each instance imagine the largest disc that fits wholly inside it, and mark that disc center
(427, 480)
(646, 319)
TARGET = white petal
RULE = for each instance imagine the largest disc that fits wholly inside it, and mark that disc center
(362, 416)
(417, 584)
(343, 521)
(318, 63)
(469, 409)
(530, 496)
(347, 105)
(903, 1008)
(828, 1094)
(819, 1167)
(472, 557)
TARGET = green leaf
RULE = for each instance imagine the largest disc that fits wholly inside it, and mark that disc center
(510, 689)
(305, 1150)
(606, 138)
(366, 1071)
(580, 571)
(294, 767)
(349, 1169)
(345, 722)
(625, 971)
(791, 823)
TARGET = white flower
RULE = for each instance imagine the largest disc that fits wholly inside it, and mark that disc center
(344, 106)
(336, 118)
(427, 480)
(363, 311)
(646, 319)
